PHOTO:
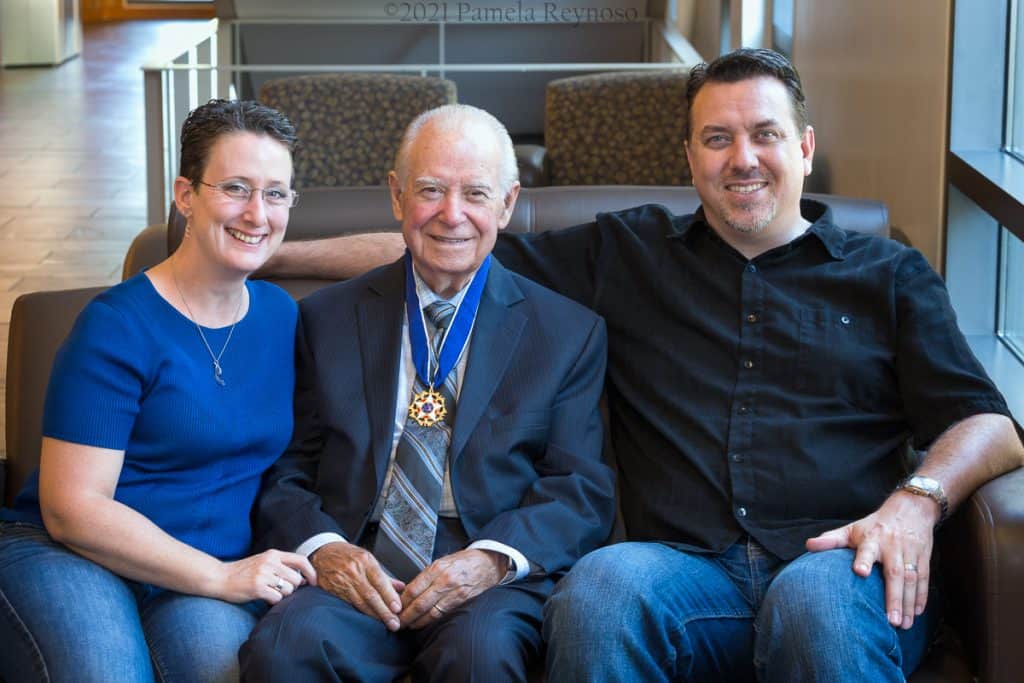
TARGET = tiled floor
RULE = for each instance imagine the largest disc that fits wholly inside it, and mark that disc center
(72, 166)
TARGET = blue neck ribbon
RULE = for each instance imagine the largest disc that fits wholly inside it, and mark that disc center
(458, 331)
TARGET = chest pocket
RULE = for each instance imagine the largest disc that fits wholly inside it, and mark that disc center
(846, 356)
(526, 425)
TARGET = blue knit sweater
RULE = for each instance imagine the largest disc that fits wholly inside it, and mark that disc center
(134, 375)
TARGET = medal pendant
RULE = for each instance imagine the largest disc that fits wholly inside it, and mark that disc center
(427, 408)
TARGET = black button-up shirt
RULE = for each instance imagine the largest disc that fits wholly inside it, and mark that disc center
(773, 396)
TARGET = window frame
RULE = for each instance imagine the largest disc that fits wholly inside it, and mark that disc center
(985, 184)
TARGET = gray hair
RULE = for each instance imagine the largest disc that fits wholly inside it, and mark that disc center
(450, 118)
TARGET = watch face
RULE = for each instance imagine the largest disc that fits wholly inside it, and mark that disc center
(924, 483)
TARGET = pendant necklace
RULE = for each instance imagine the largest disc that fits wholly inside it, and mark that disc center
(218, 373)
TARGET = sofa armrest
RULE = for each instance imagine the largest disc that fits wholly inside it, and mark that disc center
(983, 567)
(39, 323)
(532, 163)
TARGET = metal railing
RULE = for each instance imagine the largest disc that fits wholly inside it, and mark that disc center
(208, 67)
(172, 87)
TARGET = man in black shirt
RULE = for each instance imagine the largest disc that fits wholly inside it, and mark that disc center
(766, 369)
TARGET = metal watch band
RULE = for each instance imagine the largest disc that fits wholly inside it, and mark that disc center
(930, 488)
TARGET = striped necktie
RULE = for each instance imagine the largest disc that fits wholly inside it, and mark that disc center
(408, 525)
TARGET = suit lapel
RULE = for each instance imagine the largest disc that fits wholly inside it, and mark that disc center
(496, 333)
(380, 341)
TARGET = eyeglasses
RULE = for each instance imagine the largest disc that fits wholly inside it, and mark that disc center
(240, 193)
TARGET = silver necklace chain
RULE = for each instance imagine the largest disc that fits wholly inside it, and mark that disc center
(218, 373)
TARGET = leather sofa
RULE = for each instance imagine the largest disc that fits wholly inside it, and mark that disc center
(981, 549)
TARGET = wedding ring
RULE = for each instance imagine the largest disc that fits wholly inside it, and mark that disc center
(279, 586)
(910, 567)
(439, 610)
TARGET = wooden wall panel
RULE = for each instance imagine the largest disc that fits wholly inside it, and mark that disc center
(876, 75)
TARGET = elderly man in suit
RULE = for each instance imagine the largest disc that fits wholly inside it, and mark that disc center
(446, 465)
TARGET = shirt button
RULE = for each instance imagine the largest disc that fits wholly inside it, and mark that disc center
(845, 320)
(751, 268)
(748, 364)
(744, 410)
(736, 457)
(742, 512)
(752, 318)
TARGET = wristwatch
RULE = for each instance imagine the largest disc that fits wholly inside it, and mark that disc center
(930, 488)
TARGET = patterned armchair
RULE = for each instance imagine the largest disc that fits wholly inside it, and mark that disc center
(350, 124)
(622, 128)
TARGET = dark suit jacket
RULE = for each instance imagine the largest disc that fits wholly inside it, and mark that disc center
(525, 456)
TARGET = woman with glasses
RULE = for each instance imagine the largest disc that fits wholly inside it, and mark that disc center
(167, 402)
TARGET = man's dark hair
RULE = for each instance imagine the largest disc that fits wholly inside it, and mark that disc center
(220, 117)
(739, 65)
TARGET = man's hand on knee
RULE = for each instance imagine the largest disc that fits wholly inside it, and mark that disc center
(448, 582)
(353, 574)
(899, 536)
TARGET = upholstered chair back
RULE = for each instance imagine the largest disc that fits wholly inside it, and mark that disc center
(623, 128)
(350, 124)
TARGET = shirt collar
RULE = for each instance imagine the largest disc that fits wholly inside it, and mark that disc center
(822, 227)
(819, 213)
(428, 296)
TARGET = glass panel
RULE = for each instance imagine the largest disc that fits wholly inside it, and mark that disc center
(1011, 286)
(1015, 84)
(1011, 275)
(782, 26)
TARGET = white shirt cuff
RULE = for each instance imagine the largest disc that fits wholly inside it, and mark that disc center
(519, 566)
(311, 545)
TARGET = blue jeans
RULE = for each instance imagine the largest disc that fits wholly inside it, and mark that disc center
(65, 618)
(650, 612)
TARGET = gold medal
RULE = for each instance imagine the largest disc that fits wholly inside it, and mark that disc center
(427, 408)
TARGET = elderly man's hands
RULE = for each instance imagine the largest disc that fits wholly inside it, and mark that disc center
(898, 535)
(353, 574)
(448, 582)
